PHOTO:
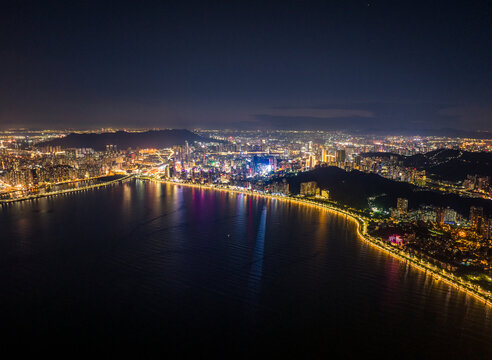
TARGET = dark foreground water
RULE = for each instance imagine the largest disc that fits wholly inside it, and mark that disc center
(189, 268)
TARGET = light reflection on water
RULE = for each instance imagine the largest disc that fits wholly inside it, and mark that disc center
(256, 268)
(152, 261)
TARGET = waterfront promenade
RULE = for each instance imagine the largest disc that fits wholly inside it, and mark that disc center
(361, 228)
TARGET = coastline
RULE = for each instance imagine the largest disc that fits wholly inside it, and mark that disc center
(60, 192)
(361, 228)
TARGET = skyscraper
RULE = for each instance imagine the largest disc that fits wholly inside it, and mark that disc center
(440, 213)
(340, 156)
(324, 155)
(311, 162)
(402, 205)
(476, 217)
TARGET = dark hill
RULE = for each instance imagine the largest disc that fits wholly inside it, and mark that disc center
(354, 187)
(124, 140)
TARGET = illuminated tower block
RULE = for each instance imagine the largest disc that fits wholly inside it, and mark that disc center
(476, 217)
(402, 205)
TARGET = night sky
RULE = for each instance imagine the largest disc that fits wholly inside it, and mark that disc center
(357, 65)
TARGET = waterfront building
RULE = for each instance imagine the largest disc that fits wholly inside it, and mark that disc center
(308, 188)
(280, 187)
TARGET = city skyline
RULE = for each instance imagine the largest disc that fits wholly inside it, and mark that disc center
(309, 178)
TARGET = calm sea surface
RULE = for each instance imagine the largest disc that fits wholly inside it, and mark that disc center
(184, 267)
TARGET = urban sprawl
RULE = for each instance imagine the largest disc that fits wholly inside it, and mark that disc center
(268, 162)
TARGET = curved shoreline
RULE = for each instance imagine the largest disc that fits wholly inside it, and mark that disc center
(439, 274)
(361, 229)
(66, 191)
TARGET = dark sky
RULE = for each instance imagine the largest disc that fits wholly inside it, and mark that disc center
(287, 64)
